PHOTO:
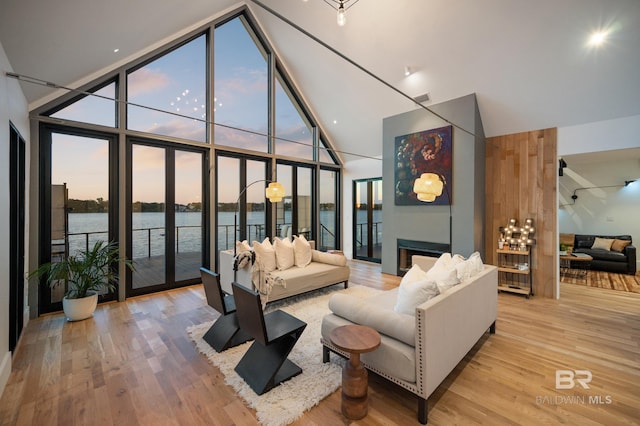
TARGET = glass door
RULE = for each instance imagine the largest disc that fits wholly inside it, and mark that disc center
(80, 195)
(367, 219)
(165, 217)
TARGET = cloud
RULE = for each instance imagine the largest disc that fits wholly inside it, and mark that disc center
(146, 80)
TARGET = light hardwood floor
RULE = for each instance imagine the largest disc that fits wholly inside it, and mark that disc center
(134, 364)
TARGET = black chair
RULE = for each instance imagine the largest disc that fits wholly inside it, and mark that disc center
(225, 332)
(265, 364)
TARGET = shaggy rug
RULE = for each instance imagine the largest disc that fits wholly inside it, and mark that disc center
(287, 402)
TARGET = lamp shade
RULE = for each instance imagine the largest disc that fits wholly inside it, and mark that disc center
(275, 192)
(427, 187)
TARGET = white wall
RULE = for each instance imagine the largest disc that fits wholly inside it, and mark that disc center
(13, 108)
(619, 133)
(358, 169)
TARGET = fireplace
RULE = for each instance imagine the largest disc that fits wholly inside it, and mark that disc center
(407, 248)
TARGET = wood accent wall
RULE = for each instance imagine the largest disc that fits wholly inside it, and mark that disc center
(520, 182)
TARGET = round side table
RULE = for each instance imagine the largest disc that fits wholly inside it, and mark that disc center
(355, 339)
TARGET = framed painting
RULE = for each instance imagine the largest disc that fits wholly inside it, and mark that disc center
(429, 151)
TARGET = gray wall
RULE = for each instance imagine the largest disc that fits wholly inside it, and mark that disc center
(430, 222)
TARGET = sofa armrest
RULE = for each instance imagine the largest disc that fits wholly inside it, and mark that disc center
(225, 265)
(450, 324)
(328, 258)
(630, 252)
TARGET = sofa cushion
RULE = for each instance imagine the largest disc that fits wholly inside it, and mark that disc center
(393, 357)
(619, 245)
(415, 288)
(302, 251)
(600, 254)
(602, 243)
(266, 255)
(284, 253)
(328, 258)
(370, 312)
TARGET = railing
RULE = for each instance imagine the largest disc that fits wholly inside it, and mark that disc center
(377, 236)
(86, 237)
(226, 235)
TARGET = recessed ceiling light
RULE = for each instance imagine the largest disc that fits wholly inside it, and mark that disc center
(116, 50)
(335, 121)
(597, 38)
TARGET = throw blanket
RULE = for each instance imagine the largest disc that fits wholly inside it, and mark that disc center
(262, 281)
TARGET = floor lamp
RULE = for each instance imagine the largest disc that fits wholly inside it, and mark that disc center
(274, 193)
(429, 186)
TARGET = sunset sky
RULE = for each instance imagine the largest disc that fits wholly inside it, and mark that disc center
(176, 82)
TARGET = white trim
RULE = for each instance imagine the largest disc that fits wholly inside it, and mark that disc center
(5, 370)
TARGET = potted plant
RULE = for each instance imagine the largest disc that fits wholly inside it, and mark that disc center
(84, 275)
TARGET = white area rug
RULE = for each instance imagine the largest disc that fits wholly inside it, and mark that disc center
(287, 402)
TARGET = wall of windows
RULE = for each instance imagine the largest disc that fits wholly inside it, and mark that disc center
(219, 97)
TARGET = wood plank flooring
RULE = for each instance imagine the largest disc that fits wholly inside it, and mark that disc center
(606, 280)
(133, 364)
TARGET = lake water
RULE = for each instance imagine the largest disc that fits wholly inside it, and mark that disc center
(149, 232)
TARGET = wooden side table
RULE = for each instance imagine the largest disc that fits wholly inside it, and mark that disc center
(355, 339)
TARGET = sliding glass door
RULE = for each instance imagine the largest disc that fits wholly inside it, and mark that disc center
(165, 217)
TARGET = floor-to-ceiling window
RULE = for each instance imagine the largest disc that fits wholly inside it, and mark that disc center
(215, 106)
(329, 210)
(241, 206)
(367, 219)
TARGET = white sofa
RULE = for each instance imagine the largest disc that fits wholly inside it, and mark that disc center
(325, 269)
(419, 352)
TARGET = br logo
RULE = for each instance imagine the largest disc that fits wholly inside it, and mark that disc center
(566, 379)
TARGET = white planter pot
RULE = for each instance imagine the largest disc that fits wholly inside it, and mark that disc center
(79, 309)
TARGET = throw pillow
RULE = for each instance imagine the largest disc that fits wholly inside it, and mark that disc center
(619, 245)
(415, 288)
(328, 258)
(266, 255)
(242, 246)
(444, 272)
(468, 268)
(302, 251)
(284, 253)
(602, 243)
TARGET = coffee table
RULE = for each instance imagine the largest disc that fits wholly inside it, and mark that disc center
(575, 266)
(355, 339)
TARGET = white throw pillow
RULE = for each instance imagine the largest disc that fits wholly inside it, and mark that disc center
(242, 246)
(468, 268)
(284, 253)
(302, 251)
(603, 243)
(415, 289)
(444, 272)
(265, 254)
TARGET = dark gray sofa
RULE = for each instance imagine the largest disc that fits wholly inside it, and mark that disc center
(607, 260)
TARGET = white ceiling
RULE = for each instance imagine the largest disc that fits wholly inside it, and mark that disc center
(527, 61)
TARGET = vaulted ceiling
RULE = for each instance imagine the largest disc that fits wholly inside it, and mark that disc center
(528, 62)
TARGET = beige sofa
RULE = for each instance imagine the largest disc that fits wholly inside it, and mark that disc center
(324, 270)
(419, 352)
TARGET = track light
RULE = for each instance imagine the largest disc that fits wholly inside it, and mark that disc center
(629, 182)
(407, 71)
